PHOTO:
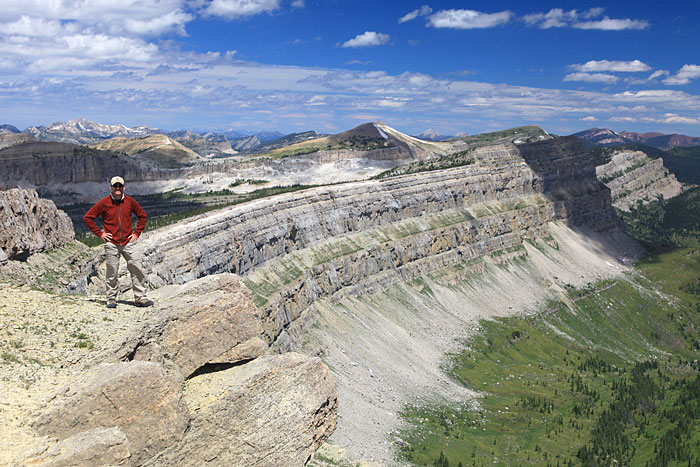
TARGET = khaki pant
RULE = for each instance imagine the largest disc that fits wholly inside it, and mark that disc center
(133, 265)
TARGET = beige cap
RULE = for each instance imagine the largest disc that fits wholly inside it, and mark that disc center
(117, 180)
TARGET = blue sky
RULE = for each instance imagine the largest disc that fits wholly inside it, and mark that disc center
(329, 65)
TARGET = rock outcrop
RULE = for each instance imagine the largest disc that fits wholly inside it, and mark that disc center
(30, 224)
(633, 176)
(192, 385)
(208, 321)
(139, 398)
(276, 410)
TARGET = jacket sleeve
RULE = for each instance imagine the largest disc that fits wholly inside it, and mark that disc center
(141, 214)
(91, 215)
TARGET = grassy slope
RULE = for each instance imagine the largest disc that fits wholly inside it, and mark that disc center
(541, 400)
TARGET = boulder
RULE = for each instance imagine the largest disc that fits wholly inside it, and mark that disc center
(139, 398)
(275, 410)
(30, 224)
(207, 321)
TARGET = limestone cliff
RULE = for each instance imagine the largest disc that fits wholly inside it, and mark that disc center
(345, 238)
(633, 176)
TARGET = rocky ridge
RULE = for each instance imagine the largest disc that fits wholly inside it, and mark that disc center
(392, 229)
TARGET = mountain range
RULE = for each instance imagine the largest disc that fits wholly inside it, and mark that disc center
(605, 137)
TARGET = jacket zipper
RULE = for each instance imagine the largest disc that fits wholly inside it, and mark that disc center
(119, 212)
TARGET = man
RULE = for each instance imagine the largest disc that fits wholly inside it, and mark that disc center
(119, 237)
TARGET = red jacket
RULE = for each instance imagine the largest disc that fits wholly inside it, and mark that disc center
(116, 218)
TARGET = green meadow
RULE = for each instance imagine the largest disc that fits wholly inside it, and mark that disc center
(606, 376)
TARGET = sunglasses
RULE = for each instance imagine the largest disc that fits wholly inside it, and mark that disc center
(118, 185)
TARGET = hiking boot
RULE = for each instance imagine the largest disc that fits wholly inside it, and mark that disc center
(143, 302)
(111, 304)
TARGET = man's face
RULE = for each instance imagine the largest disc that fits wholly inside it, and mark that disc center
(117, 190)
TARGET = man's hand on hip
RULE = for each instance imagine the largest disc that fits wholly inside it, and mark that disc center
(106, 236)
(133, 237)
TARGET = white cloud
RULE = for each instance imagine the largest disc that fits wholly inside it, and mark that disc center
(684, 75)
(554, 18)
(367, 39)
(298, 4)
(140, 17)
(558, 18)
(232, 9)
(32, 27)
(590, 118)
(607, 65)
(425, 10)
(657, 74)
(623, 119)
(468, 19)
(592, 78)
(675, 118)
(608, 24)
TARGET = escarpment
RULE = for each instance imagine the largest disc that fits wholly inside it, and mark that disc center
(295, 248)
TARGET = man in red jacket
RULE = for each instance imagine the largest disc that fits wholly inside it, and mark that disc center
(119, 237)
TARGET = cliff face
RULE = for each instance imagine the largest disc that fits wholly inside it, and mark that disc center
(633, 176)
(338, 239)
(29, 224)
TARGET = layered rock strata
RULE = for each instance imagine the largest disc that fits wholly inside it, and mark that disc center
(412, 224)
(30, 224)
(633, 176)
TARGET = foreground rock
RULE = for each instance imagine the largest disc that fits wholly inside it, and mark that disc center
(131, 405)
(207, 321)
(29, 224)
(276, 410)
(139, 398)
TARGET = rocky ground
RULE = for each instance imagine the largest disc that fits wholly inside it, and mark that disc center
(46, 338)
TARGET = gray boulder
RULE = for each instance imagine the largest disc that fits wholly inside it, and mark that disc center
(206, 321)
(140, 398)
(276, 410)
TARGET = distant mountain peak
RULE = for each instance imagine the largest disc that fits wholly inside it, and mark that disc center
(606, 137)
(83, 131)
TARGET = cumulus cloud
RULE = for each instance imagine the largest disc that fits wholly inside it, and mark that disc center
(367, 39)
(607, 65)
(592, 78)
(468, 19)
(684, 75)
(558, 18)
(425, 10)
(590, 118)
(232, 9)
